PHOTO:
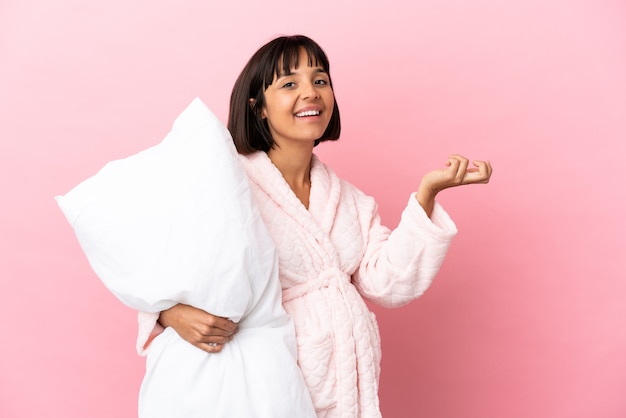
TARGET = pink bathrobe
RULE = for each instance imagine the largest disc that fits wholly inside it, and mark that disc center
(331, 256)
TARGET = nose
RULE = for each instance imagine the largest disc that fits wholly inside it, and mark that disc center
(309, 91)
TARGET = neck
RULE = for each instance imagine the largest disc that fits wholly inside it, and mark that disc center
(295, 166)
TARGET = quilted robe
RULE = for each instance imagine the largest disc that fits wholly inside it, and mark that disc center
(331, 256)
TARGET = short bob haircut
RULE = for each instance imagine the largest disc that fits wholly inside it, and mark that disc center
(245, 123)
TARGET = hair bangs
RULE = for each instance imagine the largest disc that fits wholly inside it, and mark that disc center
(286, 56)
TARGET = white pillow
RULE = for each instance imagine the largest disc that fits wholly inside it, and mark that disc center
(158, 224)
(176, 223)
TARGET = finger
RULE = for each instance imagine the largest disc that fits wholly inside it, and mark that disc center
(451, 173)
(484, 170)
(480, 174)
(211, 348)
(461, 167)
(215, 344)
(215, 339)
(487, 163)
(489, 168)
(226, 326)
(453, 166)
(206, 332)
(458, 156)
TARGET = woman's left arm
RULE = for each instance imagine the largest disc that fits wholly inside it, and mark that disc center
(398, 267)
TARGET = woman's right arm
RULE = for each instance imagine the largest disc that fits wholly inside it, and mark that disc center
(197, 327)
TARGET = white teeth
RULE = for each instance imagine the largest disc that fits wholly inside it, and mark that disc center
(308, 113)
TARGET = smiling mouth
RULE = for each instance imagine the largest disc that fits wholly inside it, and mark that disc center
(308, 113)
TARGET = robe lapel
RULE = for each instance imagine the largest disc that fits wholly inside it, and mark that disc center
(325, 193)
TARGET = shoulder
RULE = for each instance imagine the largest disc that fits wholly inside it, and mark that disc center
(349, 194)
(257, 165)
(345, 184)
(251, 159)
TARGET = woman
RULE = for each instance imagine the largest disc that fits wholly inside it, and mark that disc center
(333, 250)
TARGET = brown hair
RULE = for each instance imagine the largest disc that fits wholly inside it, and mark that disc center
(248, 129)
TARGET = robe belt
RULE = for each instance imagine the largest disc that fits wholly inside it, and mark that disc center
(326, 278)
(340, 304)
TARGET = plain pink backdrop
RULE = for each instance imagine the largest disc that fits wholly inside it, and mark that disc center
(527, 317)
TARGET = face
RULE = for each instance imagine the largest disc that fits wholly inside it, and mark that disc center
(299, 104)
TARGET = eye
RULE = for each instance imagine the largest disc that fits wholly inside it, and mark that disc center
(321, 82)
(289, 84)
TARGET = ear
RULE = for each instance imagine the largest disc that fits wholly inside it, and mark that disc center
(252, 103)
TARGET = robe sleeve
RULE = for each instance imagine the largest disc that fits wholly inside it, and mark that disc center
(399, 265)
(148, 329)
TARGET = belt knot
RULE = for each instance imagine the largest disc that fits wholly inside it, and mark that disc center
(332, 276)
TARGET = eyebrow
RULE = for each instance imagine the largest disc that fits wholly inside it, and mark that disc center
(290, 72)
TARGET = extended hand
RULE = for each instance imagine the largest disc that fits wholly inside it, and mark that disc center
(199, 328)
(457, 173)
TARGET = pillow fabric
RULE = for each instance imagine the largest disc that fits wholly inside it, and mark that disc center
(176, 223)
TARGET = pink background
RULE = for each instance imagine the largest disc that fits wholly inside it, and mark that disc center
(527, 317)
